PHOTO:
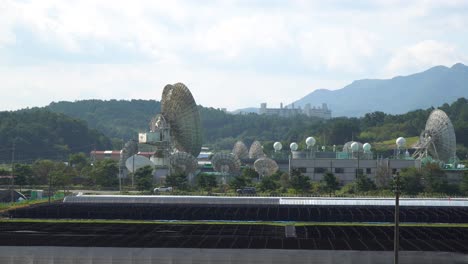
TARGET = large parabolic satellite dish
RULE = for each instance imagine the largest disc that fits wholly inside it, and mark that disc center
(180, 110)
(438, 138)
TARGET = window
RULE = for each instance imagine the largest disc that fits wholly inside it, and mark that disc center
(368, 171)
(339, 170)
(320, 170)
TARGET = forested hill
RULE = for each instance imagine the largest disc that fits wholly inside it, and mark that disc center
(124, 119)
(118, 119)
(39, 133)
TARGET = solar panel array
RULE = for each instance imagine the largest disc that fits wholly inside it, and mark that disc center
(369, 238)
(300, 213)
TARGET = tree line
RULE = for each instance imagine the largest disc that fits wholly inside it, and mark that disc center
(122, 120)
(37, 133)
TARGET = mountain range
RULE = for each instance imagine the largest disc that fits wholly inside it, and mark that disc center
(430, 88)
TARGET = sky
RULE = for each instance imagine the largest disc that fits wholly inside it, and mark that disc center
(231, 54)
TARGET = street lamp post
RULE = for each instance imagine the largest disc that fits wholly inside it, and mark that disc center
(397, 191)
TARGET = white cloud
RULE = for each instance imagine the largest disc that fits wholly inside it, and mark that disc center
(338, 49)
(422, 55)
(55, 82)
(228, 46)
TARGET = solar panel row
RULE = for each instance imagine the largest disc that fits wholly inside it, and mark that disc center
(245, 213)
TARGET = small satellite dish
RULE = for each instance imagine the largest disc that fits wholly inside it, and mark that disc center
(277, 146)
(400, 142)
(293, 146)
(310, 142)
(136, 162)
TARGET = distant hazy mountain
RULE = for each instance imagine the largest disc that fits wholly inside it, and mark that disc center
(245, 110)
(398, 95)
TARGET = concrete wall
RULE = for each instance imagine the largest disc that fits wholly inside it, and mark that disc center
(348, 167)
(72, 255)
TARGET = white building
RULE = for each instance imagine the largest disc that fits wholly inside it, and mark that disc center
(320, 112)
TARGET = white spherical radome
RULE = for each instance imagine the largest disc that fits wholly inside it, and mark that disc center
(310, 141)
(355, 146)
(367, 147)
(277, 146)
(401, 142)
(293, 146)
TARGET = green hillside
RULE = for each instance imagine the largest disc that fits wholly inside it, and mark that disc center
(124, 119)
(39, 133)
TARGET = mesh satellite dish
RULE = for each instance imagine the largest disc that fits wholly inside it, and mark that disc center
(226, 163)
(438, 138)
(265, 166)
(136, 162)
(240, 150)
(180, 110)
(183, 162)
(256, 150)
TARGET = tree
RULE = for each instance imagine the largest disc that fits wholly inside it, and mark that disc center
(144, 178)
(268, 183)
(250, 173)
(23, 174)
(104, 173)
(240, 181)
(177, 180)
(464, 184)
(411, 181)
(206, 181)
(364, 184)
(299, 182)
(435, 179)
(42, 170)
(284, 180)
(78, 161)
(330, 183)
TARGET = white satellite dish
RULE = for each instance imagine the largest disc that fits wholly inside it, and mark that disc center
(136, 162)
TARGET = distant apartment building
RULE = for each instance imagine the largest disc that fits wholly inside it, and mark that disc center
(321, 112)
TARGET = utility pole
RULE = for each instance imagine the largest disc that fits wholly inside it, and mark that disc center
(12, 181)
(396, 239)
